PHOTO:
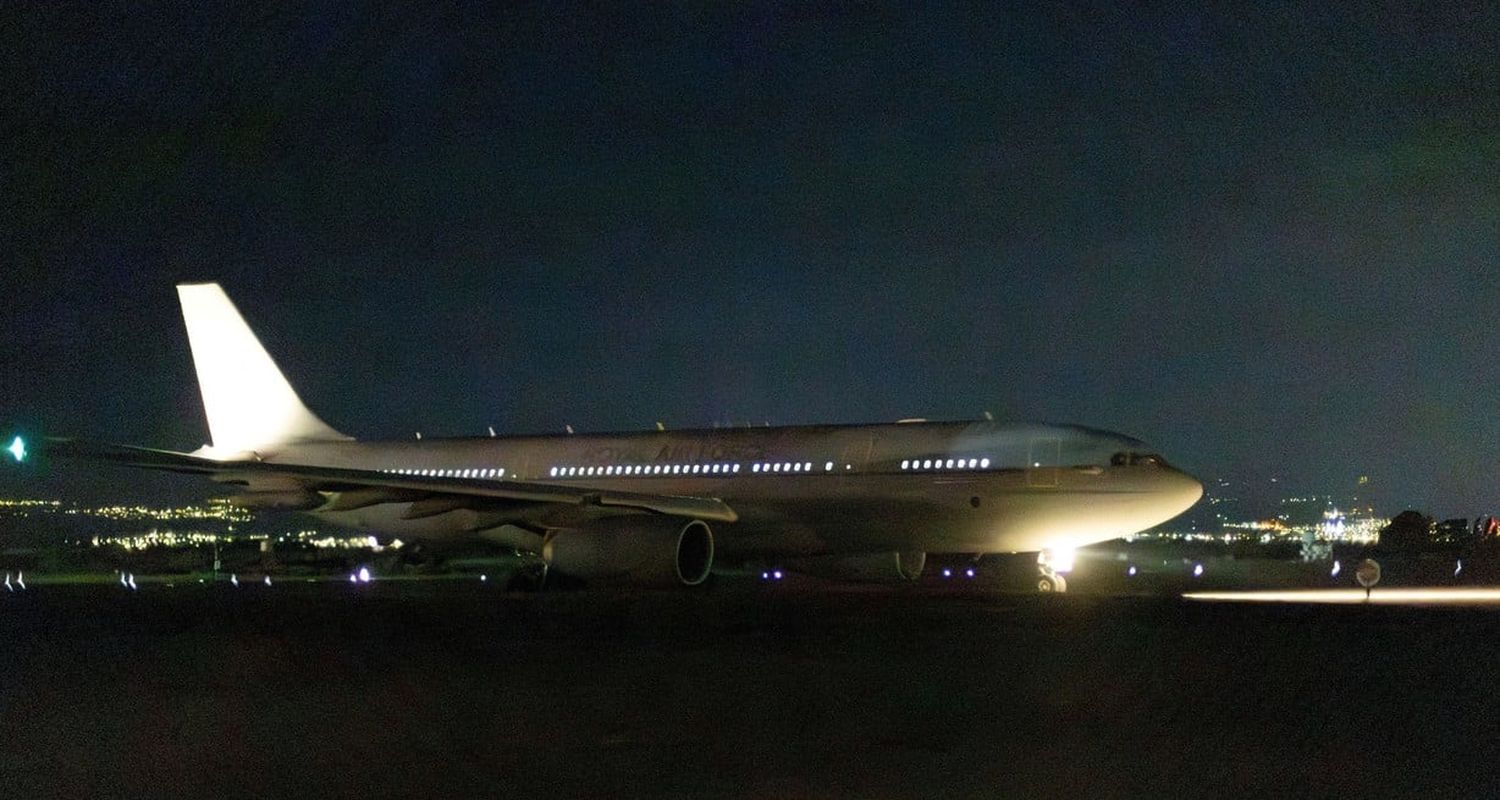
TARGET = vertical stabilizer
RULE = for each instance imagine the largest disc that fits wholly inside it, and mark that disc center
(249, 404)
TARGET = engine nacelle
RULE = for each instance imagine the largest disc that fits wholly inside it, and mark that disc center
(888, 567)
(652, 551)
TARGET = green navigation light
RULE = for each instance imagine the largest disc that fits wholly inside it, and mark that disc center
(18, 449)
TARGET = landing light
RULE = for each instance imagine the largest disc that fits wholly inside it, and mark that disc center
(969, 573)
(1059, 559)
(1337, 568)
(1197, 570)
(17, 449)
(364, 574)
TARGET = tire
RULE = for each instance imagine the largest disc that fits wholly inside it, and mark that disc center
(1047, 584)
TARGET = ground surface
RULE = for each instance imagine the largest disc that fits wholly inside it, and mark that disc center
(456, 689)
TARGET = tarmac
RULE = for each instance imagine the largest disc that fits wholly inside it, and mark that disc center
(801, 689)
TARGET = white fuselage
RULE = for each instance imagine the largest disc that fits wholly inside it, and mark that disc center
(937, 487)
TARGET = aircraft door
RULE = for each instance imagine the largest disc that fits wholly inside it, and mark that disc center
(1043, 460)
(855, 455)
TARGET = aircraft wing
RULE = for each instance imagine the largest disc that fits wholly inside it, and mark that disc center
(373, 486)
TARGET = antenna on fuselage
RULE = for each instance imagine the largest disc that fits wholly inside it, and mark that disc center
(492, 431)
(989, 416)
(660, 426)
(419, 436)
(569, 428)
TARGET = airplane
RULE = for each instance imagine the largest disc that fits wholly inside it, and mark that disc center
(669, 507)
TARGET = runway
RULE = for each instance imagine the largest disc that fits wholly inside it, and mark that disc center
(459, 689)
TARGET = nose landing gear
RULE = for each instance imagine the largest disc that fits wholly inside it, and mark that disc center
(1050, 566)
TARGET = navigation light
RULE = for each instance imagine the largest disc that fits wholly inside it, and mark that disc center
(17, 449)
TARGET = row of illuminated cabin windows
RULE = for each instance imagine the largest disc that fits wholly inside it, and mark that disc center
(495, 472)
(946, 463)
(688, 469)
(681, 469)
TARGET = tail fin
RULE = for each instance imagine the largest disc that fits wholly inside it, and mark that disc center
(249, 404)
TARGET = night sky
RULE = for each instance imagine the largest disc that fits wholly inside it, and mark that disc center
(1263, 239)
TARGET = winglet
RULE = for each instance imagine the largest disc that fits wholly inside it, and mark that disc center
(249, 404)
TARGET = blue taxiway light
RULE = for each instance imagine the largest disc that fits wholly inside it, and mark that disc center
(17, 449)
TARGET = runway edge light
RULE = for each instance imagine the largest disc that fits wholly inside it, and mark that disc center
(17, 449)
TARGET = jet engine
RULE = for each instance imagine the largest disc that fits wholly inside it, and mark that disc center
(888, 567)
(645, 550)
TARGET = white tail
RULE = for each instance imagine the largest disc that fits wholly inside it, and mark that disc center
(249, 404)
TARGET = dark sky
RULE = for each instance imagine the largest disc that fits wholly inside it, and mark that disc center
(1263, 239)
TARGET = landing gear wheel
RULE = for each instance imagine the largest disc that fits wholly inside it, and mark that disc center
(1051, 582)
